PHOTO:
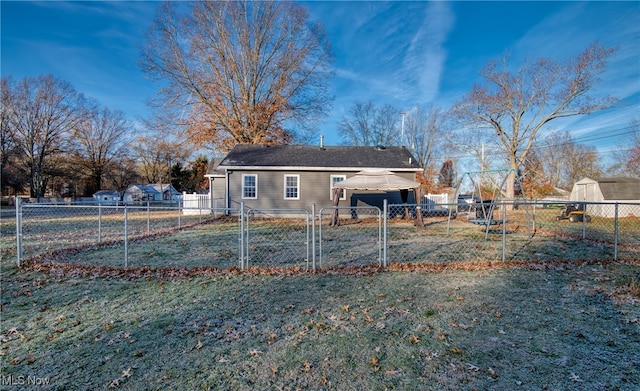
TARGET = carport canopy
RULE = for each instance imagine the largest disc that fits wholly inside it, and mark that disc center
(377, 180)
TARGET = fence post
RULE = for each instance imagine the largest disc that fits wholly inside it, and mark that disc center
(126, 237)
(313, 236)
(241, 236)
(18, 231)
(504, 232)
(148, 218)
(615, 233)
(179, 214)
(99, 223)
(584, 222)
(385, 206)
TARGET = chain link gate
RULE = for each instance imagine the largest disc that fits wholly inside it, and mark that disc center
(357, 240)
(277, 238)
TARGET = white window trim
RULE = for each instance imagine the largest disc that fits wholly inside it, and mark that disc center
(344, 192)
(297, 176)
(243, 186)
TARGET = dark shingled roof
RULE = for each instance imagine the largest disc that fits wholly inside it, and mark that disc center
(620, 188)
(304, 156)
(214, 167)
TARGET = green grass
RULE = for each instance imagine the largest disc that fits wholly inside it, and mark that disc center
(573, 327)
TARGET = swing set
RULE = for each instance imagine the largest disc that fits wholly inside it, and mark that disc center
(487, 187)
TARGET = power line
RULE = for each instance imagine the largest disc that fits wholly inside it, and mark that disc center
(607, 134)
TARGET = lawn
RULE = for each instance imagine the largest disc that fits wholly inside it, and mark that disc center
(572, 326)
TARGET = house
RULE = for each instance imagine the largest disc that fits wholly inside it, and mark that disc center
(162, 192)
(297, 176)
(609, 191)
(107, 197)
(217, 184)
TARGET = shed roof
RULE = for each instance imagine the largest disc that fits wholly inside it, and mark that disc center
(316, 157)
(620, 188)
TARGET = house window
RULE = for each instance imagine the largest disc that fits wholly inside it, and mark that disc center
(249, 186)
(335, 179)
(292, 187)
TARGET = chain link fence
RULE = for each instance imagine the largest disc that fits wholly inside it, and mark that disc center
(356, 240)
(277, 238)
(164, 236)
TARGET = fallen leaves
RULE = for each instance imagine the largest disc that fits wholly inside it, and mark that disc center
(52, 263)
(126, 374)
(575, 378)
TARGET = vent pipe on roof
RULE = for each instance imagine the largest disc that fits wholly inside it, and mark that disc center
(321, 141)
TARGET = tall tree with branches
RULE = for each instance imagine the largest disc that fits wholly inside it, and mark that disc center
(424, 128)
(627, 156)
(566, 161)
(100, 139)
(515, 106)
(10, 175)
(43, 113)
(369, 125)
(240, 71)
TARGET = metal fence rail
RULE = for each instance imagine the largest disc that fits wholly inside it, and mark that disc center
(358, 239)
(277, 238)
(161, 236)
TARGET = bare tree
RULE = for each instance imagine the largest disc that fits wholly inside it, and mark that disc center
(123, 173)
(369, 125)
(10, 175)
(533, 182)
(241, 71)
(424, 131)
(564, 161)
(627, 156)
(156, 156)
(43, 112)
(515, 106)
(100, 140)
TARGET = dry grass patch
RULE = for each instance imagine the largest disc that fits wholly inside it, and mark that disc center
(489, 328)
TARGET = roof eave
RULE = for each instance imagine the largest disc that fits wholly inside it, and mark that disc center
(302, 168)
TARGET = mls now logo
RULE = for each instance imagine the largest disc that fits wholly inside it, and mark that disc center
(12, 380)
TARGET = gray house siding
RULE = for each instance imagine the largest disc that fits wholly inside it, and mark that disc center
(314, 188)
(218, 192)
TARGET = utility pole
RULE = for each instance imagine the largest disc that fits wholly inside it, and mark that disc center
(402, 134)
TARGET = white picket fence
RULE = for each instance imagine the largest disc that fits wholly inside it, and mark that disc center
(196, 204)
(435, 201)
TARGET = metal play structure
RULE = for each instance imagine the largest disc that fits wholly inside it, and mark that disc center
(486, 188)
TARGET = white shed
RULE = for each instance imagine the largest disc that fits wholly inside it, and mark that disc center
(609, 191)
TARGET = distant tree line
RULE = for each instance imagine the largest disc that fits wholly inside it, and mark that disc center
(56, 142)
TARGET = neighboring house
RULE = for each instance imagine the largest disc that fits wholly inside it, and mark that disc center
(217, 184)
(558, 194)
(609, 190)
(297, 176)
(107, 197)
(151, 192)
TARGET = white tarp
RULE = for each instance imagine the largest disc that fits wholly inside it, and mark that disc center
(373, 180)
(376, 180)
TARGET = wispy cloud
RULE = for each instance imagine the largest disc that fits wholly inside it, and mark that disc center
(424, 60)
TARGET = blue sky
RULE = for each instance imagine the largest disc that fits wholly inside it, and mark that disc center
(403, 53)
